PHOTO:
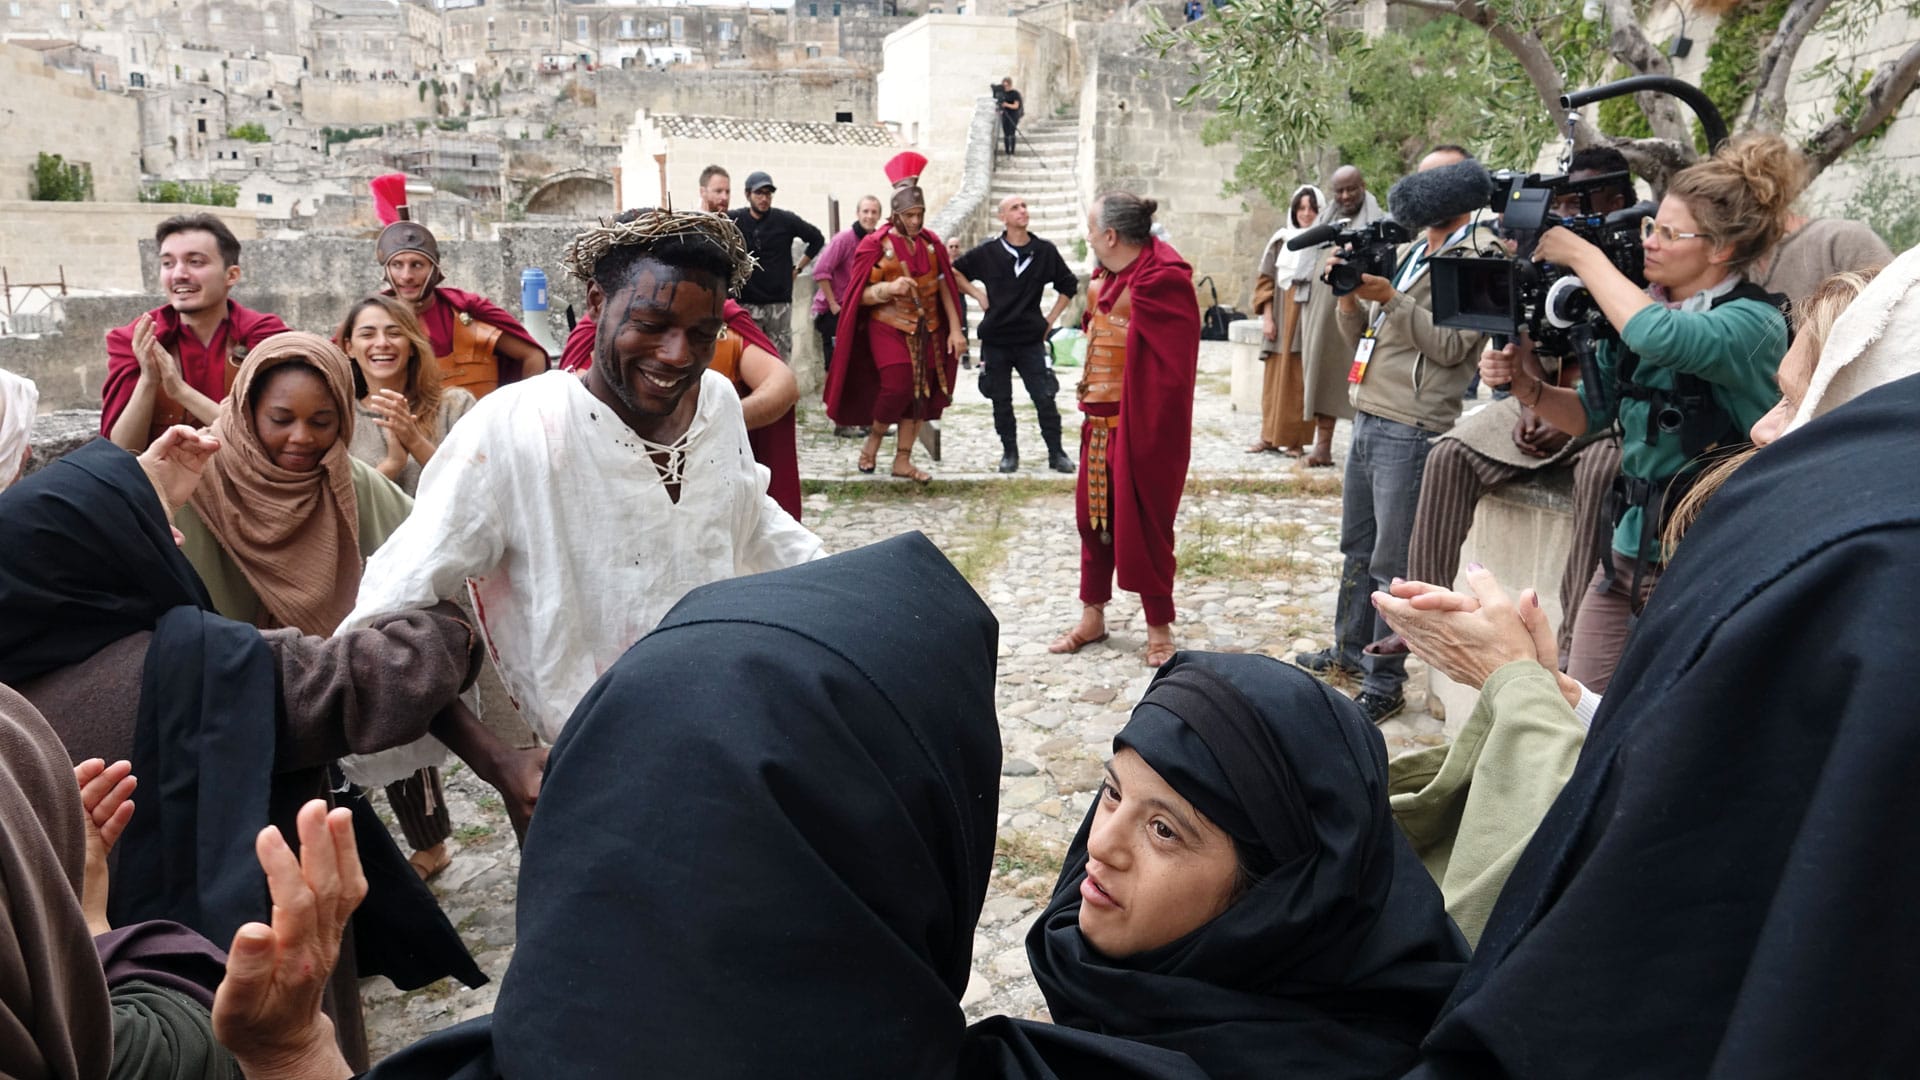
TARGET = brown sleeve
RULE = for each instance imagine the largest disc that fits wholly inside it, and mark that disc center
(370, 689)
(1262, 294)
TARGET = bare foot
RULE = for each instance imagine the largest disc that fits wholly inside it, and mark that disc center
(1320, 459)
(1160, 646)
(431, 861)
(1259, 446)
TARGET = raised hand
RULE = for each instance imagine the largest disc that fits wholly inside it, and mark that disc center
(267, 1010)
(106, 797)
(175, 460)
(1466, 638)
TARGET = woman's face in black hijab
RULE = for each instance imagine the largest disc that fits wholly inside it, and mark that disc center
(1157, 869)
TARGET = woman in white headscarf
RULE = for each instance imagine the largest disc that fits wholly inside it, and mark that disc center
(1279, 299)
(19, 400)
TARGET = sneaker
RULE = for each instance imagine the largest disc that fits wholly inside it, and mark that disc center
(1323, 663)
(1378, 707)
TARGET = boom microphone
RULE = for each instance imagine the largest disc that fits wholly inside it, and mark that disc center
(1315, 236)
(1424, 199)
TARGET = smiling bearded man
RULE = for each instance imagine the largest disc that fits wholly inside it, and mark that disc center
(580, 509)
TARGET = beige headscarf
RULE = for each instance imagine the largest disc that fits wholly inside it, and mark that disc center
(55, 1020)
(19, 400)
(1871, 343)
(294, 535)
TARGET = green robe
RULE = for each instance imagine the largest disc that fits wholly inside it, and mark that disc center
(161, 1034)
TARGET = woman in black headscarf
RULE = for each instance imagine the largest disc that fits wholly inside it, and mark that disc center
(1239, 892)
(762, 848)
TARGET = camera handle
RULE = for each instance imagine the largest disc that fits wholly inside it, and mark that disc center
(1500, 341)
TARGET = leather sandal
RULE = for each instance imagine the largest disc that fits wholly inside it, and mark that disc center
(1156, 655)
(913, 474)
(867, 462)
(1072, 642)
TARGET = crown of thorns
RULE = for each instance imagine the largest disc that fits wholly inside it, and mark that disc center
(649, 229)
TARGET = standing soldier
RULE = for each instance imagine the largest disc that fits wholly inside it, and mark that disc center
(478, 344)
(1143, 351)
(898, 350)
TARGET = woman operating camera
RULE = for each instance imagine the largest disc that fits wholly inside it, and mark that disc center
(1692, 369)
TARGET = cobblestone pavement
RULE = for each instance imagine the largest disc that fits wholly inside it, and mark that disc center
(1259, 561)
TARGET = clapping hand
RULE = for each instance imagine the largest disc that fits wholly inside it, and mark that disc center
(174, 461)
(106, 796)
(1468, 637)
(155, 361)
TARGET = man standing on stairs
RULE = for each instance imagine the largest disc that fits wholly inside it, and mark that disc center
(1011, 109)
(1015, 266)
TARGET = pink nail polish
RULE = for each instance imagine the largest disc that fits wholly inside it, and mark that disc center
(1475, 566)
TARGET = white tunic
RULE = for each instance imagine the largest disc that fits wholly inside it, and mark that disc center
(550, 505)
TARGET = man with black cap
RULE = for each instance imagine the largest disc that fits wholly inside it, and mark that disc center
(770, 234)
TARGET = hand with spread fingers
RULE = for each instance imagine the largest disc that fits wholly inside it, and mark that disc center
(106, 794)
(267, 1010)
(1469, 637)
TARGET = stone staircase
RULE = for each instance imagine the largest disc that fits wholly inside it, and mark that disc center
(1041, 170)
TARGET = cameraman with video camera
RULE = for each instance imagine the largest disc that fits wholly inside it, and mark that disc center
(1406, 379)
(1692, 369)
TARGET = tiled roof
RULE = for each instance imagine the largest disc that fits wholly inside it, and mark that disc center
(729, 129)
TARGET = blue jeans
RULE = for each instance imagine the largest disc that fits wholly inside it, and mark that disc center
(1382, 491)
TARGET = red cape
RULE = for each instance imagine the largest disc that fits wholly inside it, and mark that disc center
(1155, 438)
(773, 446)
(244, 325)
(851, 381)
(437, 321)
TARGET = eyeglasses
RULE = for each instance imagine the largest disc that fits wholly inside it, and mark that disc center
(1650, 228)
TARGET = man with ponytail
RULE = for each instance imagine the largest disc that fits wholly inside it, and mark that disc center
(1136, 394)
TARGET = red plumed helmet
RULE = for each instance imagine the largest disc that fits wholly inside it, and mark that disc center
(390, 197)
(905, 167)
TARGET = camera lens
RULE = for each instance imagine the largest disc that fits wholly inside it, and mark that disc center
(1344, 278)
(1669, 419)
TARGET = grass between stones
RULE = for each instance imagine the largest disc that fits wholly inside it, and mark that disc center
(1209, 548)
(1025, 853)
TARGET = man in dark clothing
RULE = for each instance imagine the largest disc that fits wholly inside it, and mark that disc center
(1015, 266)
(770, 233)
(1011, 109)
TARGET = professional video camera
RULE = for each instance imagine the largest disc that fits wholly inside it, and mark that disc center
(1505, 296)
(1366, 250)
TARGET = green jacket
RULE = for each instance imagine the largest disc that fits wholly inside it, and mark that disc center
(1735, 347)
(1469, 808)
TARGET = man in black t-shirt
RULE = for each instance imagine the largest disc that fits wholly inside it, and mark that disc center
(1015, 266)
(770, 233)
(1011, 109)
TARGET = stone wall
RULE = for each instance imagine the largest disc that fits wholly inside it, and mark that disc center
(1134, 137)
(965, 217)
(618, 94)
(805, 174)
(363, 102)
(309, 282)
(96, 242)
(58, 112)
(936, 68)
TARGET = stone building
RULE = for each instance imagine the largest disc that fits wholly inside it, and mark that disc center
(60, 112)
(810, 163)
(375, 39)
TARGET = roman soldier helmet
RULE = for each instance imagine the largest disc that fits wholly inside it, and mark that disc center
(904, 171)
(402, 233)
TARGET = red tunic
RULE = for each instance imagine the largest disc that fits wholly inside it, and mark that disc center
(204, 367)
(437, 321)
(853, 381)
(1154, 439)
(774, 445)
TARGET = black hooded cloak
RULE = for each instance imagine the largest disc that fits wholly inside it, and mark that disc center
(1724, 887)
(1337, 960)
(762, 847)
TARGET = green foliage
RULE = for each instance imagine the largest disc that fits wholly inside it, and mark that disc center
(57, 180)
(345, 135)
(422, 89)
(177, 191)
(455, 124)
(1286, 86)
(252, 131)
(1852, 101)
(1889, 201)
(1622, 115)
(1733, 58)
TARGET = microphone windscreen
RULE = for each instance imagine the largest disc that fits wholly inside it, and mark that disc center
(1315, 236)
(1428, 198)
